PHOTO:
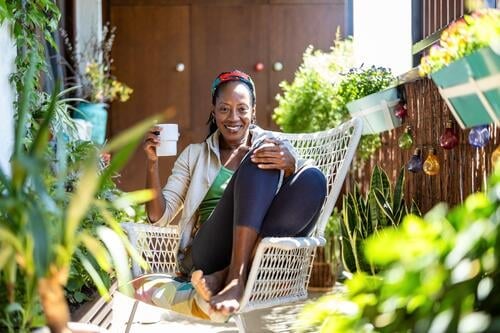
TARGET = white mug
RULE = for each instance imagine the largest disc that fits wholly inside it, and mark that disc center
(168, 140)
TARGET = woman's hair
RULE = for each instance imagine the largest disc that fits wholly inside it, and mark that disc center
(220, 81)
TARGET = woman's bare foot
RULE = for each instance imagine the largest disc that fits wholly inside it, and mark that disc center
(227, 301)
(208, 285)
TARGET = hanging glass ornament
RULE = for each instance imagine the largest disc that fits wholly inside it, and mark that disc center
(401, 111)
(495, 157)
(406, 140)
(479, 136)
(415, 163)
(449, 139)
(431, 163)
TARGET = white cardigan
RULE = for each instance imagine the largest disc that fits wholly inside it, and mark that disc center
(192, 175)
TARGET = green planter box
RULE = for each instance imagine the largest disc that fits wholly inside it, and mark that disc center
(471, 88)
(377, 111)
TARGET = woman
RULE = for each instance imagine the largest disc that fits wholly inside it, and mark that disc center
(240, 185)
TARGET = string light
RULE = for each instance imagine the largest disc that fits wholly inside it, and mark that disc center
(415, 163)
(449, 139)
(431, 164)
(406, 140)
(479, 136)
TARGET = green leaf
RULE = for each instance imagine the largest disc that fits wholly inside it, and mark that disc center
(135, 197)
(383, 205)
(22, 110)
(42, 136)
(39, 230)
(82, 199)
(8, 237)
(115, 226)
(399, 189)
(120, 259)
(97, 250)
(6, 254)
(103, 291)
(125, 143)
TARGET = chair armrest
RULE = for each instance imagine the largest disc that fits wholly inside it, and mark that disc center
(289, 243)
(157, 245)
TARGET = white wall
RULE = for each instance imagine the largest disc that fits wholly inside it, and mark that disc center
(88, 23)
(382, 34)
(7, 66)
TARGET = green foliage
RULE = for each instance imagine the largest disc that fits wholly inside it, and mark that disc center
(358, 83)
(332, 246)
(364, 215)
(439, 273)
(324, 83)
(31, 22)
(41, 216)
(309, 103)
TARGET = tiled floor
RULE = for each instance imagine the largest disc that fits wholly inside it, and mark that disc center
(151, 319)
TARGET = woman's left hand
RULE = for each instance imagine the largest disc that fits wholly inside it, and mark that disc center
(273, 154)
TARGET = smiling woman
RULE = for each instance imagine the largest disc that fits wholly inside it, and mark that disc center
(240, 185)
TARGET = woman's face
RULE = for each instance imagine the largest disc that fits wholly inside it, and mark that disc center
(234, 111)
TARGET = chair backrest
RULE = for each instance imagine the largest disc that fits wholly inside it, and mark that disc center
(333, 151)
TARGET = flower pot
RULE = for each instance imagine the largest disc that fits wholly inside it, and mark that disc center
(322, 273)
(97, 115)
(470, 87)
(377, 111)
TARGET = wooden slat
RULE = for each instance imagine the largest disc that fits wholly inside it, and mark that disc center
(464, 169)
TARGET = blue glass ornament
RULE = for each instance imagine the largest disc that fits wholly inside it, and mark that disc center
(479, 136)
(415, 163)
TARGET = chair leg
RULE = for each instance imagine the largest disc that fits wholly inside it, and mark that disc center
(131, 317)
(240, 323)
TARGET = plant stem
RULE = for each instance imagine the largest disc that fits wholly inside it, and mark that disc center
(54, 303)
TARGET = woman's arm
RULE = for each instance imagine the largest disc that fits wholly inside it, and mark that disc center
(274, 154)
(156, 207)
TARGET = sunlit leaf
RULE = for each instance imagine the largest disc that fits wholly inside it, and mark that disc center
(119, 256)
(101, 287)
(97, 250)
(82, 199)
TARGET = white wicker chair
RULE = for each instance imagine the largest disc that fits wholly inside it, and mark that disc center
(282, 265)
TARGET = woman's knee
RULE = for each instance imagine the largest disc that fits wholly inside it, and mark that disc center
(312, 180)
(250, 170)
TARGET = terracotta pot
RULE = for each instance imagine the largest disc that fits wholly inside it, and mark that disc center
(322, 275)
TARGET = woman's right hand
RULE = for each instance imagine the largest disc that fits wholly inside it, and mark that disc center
(151, 141)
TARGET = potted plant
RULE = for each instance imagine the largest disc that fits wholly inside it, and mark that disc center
(465, 66)
(98, 86)
(40, 233)
(326, 261)
(367, 95)
(315, 101)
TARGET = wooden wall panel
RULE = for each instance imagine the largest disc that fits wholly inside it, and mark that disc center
(292, 29)
(150, 41)
(226, 38)
(464, 169)
(208, 37)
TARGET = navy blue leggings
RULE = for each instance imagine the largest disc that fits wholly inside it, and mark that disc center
(250, 200)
